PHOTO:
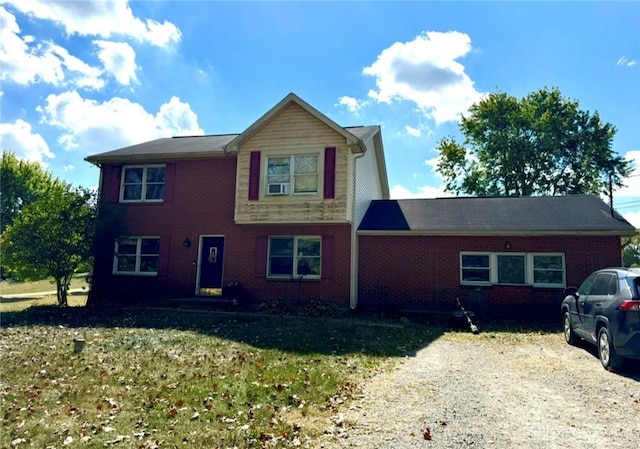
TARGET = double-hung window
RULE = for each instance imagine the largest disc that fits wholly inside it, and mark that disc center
(137, 256)
(295, 256)
(292, 175)
(143, 183)
(548, 269)
(475, 268)
(536, 269)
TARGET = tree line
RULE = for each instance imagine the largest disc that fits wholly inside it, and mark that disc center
(542, 144)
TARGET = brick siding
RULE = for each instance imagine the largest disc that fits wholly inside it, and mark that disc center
(203, 204)
(423, 272)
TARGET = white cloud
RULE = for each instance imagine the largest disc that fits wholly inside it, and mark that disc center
(99, 18)
(20, 62)
(633, 218)
(623, 61)
(415, 132)
(632, 183)
(20, 138)
(119, 59)
(426, 72)
(178, 118)
(78, 72)
(93, 127)
(26, 61)
(352, 104)
(400, 192)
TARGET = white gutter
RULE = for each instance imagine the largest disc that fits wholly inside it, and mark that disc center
(353, 297)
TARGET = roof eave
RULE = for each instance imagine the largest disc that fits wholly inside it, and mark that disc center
(132, 158)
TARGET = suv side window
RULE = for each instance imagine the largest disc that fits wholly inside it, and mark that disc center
(613, 285)
(635, 287)
(585, 288)
(603, 284)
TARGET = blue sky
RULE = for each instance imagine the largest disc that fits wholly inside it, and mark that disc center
(79, 78)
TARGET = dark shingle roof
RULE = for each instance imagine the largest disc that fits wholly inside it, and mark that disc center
(195, 146)
(492, 215)
(168, 147)
(362, 132)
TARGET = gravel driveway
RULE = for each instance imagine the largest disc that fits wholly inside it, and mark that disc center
(495, 391)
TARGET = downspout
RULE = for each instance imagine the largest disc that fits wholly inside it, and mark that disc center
(353, 301)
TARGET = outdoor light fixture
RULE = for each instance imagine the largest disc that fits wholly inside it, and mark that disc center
(186, 243)
(507, 245)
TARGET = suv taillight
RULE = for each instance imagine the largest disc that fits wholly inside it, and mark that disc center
(630, 305)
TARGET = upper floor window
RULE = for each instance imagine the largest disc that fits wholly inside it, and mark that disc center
(290, 175)
(143, 183)
(295, 256)
(137, 255)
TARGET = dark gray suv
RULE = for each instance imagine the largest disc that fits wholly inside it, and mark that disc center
(605, 311)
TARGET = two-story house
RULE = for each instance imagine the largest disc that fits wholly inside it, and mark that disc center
(275, 208)
(297, 206)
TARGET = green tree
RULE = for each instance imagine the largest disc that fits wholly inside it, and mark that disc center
(631, 251)
(51, 238)
(21, 183)
(542, 144)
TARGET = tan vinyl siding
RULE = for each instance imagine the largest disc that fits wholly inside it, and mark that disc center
(292, 131)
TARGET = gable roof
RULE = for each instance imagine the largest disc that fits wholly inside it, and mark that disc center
(351, 139)
(535, 215)
(169, 147)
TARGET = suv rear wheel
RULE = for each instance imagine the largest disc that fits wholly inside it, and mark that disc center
(607, 353)
(569, 335)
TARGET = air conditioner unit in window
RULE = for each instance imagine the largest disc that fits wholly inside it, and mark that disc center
(278, 189)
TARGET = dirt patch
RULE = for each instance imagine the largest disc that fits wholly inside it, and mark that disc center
(500, 390)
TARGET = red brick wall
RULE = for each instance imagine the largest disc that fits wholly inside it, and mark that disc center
(423, 272)
(203, 204)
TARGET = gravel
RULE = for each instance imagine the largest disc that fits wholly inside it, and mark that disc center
(495, 391)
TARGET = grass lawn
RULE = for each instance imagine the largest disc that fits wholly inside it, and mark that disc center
(168, 378)
(11, 287)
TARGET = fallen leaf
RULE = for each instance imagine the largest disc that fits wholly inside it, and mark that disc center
(427, 434)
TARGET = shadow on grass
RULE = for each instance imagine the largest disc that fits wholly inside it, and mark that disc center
(353, 333)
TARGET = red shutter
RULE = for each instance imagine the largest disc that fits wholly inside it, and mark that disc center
(327, 256)
(163, 262)
(254, 176)
(329, 173)
(111, 183)
(262, 242)
(169, 181)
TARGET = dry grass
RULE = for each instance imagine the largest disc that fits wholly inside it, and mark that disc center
(10, 287)
(167, 379)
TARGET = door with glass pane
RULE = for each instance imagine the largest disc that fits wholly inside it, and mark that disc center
(210, 265)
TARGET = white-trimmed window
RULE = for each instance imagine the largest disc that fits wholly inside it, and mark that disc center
(295, 256)
(548, 269)
(293, 175)
(137, 256)
(143, 183)
(536, 269)
(510, 269)
(475, 268)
